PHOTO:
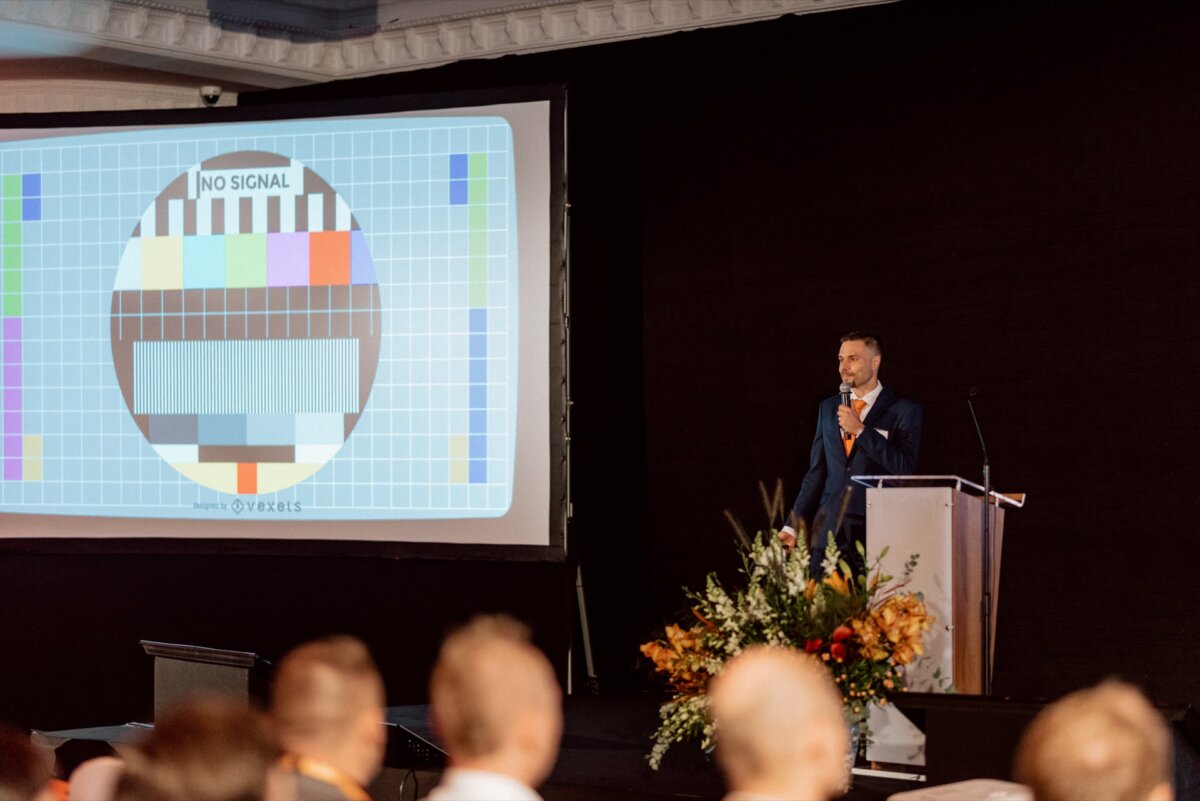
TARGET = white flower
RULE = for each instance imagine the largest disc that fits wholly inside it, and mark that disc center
(832, 557)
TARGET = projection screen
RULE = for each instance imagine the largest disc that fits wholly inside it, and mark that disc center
(295, 327)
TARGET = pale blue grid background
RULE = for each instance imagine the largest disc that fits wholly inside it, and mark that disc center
(394, 175)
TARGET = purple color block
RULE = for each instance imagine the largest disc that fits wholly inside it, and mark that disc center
(12, 470)
(12, 352)
(12, 400)
(12, 327)
(362, 269)
(12, 375)
(12, 442)
(287, 259)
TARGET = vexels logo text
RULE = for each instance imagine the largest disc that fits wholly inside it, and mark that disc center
(265, 507)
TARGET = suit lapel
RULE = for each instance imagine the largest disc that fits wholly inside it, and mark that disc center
(837, 453)
(886, 396)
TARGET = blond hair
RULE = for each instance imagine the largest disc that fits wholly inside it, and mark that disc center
(487, 673)
(322, 687)
(767, 704)
(1101, 744)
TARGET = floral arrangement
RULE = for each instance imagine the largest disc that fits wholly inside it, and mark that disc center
(861, 626)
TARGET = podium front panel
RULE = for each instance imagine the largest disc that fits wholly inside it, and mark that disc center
(920, 520)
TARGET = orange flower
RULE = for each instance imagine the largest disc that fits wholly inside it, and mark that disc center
(679, 656)
(869, 638)
(708, 624)
(837, 582)
(902, 620)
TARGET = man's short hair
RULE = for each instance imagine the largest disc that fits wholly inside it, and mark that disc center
(322, 687)
(487, 672)
(1101, 744)
(768, 700)
(24, 771)
(865, 337)
(205, 750)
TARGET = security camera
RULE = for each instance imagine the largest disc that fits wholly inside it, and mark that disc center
(210, 95)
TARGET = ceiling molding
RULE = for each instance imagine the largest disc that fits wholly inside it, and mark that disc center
(74, 94)
(190, 38)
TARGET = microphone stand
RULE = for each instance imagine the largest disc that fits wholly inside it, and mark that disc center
(985, 612)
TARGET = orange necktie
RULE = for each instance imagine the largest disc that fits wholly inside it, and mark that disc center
(859, 404)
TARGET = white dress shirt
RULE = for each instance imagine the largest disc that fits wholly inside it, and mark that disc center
(458, 784)
(869, 399)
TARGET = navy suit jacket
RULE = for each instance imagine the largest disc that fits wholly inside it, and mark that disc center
(874, 453)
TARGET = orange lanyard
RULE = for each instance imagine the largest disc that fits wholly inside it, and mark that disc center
(325, 773)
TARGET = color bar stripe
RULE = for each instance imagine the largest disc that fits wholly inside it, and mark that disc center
(238, 377)
(20, 202)
(247, 478)
(473, 168)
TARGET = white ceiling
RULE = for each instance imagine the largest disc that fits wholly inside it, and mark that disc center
(277, 43)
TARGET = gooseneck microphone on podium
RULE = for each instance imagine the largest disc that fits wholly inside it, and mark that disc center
(844, 390)
(986, 544)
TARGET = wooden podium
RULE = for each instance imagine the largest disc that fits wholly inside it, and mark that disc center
(940, 518)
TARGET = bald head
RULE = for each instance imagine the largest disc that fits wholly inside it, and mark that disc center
(1102, 744)
(495, 701)
(781, 730)
(327, 702)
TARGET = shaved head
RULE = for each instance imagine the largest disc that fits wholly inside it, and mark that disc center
(492, 692)
(1102, 744)
(781, 728)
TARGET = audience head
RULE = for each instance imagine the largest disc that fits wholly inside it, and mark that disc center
(1101, 744)
(24, 771)
(781, 730)
(96, 779)
(327, 702)
(495, 701)
(205, 750)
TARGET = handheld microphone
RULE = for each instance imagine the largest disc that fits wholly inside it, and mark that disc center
(844, 390)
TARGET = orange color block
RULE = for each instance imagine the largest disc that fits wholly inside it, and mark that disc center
(329, 258)
(247, 481)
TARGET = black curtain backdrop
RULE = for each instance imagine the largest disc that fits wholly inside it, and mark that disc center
(1007, 193)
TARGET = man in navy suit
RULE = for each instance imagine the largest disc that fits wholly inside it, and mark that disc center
(878, 434)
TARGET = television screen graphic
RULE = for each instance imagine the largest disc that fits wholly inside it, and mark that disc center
(307, 319)
(246, 323)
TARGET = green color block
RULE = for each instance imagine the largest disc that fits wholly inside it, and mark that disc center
(477, 191)
(477, 297)
(12, 258)
(476, 166)
(477, 243)
(479, 271)
(12, 189)
(12, 305)
(246, 260)
(12, 282)
(12, 233)
(12, 210)
(477, 218)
